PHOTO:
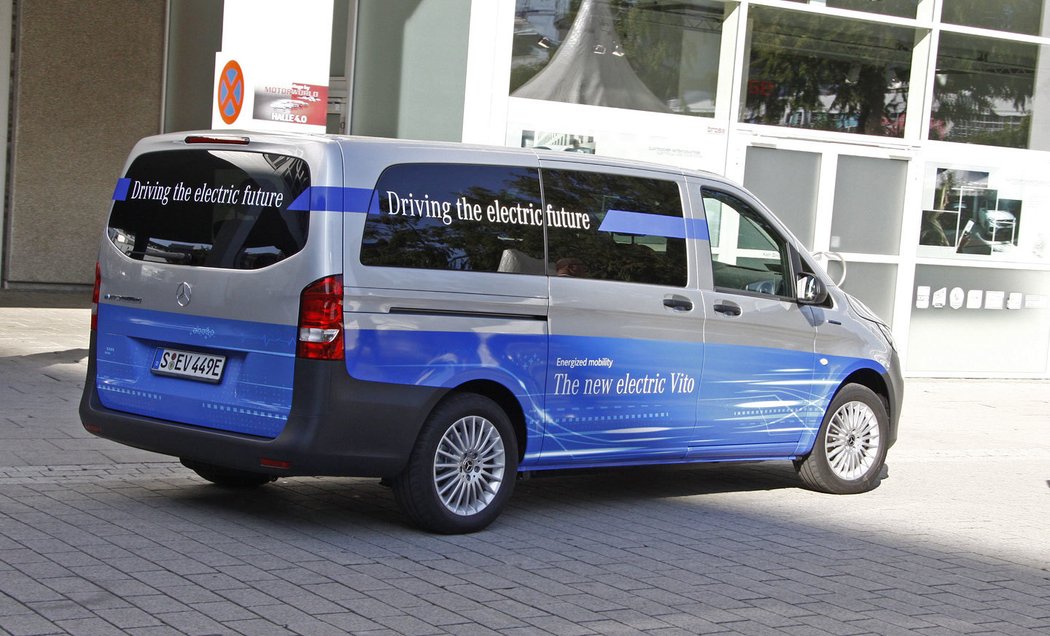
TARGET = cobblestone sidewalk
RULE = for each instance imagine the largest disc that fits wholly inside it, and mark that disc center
(100, 539)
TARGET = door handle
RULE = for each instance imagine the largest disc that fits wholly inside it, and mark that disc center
(678, 303)
(728, 308)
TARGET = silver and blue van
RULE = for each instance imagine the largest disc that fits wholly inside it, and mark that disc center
(449, 317)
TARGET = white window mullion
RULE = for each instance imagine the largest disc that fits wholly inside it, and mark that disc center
(829, 167)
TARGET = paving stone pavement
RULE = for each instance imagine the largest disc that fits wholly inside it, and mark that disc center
(96, 538)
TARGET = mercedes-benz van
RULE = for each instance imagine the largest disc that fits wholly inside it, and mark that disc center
(448, 317)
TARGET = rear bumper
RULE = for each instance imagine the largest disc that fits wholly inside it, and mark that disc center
(337, 426)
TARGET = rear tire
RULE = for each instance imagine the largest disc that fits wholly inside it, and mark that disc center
(228, 477)
(850, 450)
(462, 469)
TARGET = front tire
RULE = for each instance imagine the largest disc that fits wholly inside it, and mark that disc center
(462, 469)
(850, 450)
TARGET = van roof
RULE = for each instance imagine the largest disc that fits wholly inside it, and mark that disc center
(292, 137)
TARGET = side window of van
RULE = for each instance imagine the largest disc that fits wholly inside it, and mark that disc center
(615, 227)
(478, 218)
(747, 253)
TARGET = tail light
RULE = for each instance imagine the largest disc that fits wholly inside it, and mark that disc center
(321, 320)
(94, 298)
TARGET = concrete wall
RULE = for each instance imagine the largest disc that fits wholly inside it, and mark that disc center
(194, 35)
(88, 86)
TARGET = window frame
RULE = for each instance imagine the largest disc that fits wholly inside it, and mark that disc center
(672, 179)
(790, 258)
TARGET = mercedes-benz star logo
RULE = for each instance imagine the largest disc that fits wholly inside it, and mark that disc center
(183, 294)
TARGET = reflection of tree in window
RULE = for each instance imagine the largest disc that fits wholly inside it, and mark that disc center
(899, 8)
(983, 90)
(827, 73)
(1016, 16)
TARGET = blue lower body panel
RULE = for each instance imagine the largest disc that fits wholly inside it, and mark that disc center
(253, 397)
(590, 401)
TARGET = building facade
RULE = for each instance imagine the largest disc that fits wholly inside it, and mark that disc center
(907, 141)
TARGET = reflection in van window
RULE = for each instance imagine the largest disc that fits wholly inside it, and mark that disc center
(223, 209)
(456, 217)
(747, 253)
(631, 230)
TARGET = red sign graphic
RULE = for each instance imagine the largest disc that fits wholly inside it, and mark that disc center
(231, 92)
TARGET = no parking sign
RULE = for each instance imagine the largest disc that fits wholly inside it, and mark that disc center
(230, 92)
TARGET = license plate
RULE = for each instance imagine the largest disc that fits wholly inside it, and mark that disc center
(189, 364)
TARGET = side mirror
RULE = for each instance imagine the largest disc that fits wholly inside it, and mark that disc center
(810, 290)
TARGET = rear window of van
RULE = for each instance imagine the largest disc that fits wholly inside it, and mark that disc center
(210, 208)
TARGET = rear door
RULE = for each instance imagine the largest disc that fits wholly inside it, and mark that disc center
(757, 392)
(625, 316)
(207, 248)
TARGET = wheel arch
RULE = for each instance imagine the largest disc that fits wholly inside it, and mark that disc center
(506, 400)
(872, 380)
(868, 378)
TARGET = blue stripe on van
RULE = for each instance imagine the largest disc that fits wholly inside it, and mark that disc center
(332, 199)
(697, 229)
(624, 222)
(120, 193)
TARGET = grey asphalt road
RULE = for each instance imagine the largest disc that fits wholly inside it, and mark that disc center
(96, 538)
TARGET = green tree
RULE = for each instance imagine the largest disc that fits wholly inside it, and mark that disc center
(978, 79)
